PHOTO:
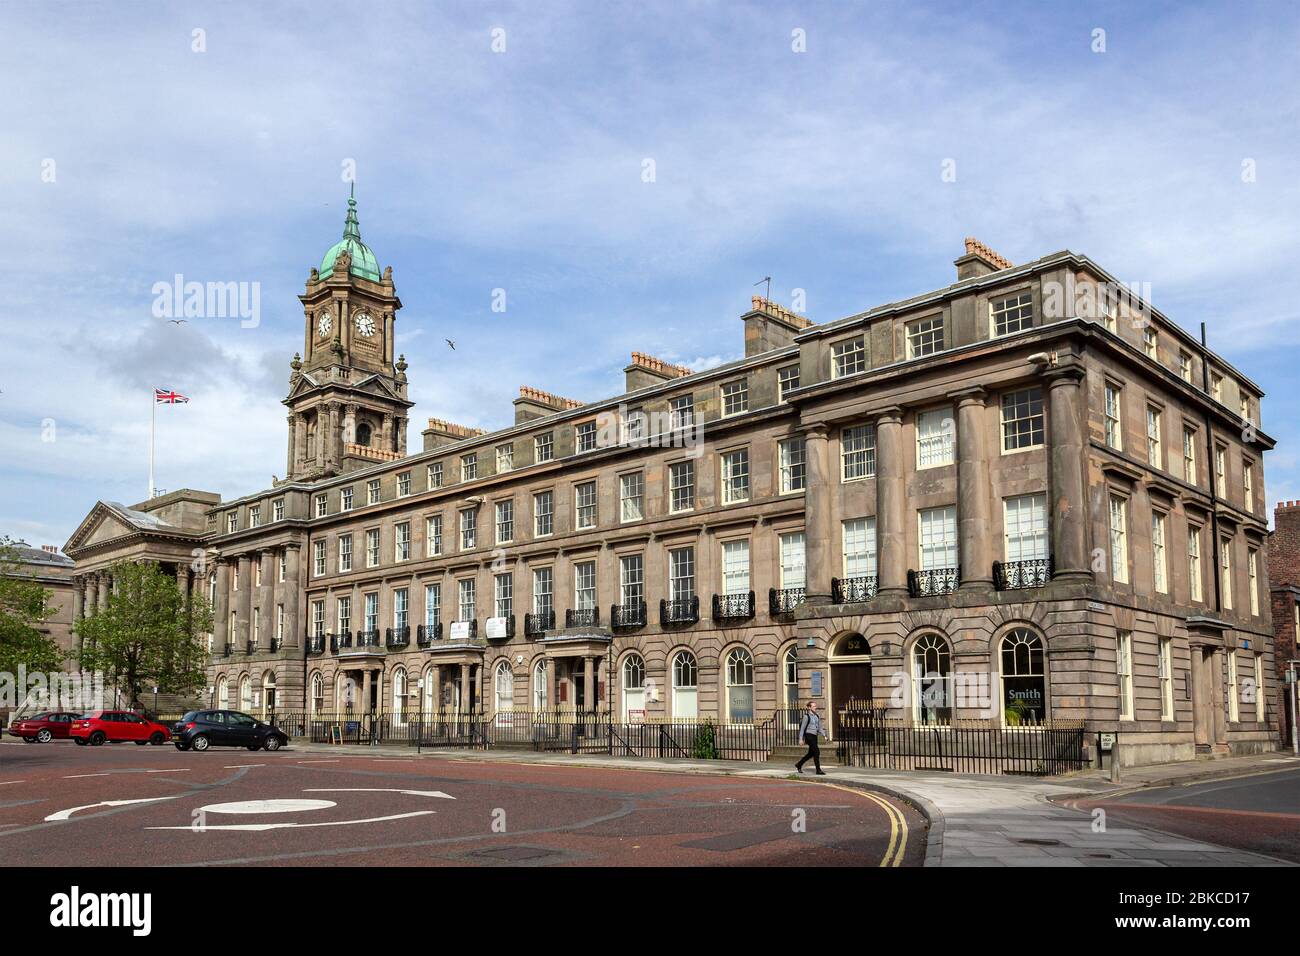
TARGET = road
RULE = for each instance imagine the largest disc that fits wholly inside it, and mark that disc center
(127, 805)
(1259, 813)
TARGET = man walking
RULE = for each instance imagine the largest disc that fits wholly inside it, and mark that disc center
(810, 728)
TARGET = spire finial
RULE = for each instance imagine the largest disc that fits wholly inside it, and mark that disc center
(351, 229)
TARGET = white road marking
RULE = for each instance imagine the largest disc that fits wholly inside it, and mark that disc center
(176, 770)
(288, 826)
(240, 766)
(78, 776)
(413, 793)
(317, 761)
(6, 783)
(65, 814)
(268, 806)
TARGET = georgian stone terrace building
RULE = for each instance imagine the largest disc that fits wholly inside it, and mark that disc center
(1023, 495)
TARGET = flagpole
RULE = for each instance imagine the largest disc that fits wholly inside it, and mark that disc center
(153, 415)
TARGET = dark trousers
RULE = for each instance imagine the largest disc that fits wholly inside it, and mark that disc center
(814, 752)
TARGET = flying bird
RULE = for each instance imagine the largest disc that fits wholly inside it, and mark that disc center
(176, 321)
(451, 343)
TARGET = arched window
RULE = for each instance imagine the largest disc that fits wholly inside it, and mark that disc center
(268, 693)
(317, 693)
(223, 694)
(363, 434)
(685, 686)
(505, 687)
(790, 680)
(633, 688)
(740, 686)
(932, 680)
(399, 696)
(1024, 682)
(540, 699)
(245, 693)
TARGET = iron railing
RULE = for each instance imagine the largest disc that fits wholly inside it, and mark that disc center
(854, 590)
(976, 746)
(682, 611)
(933, 581)
(276, 644)
(316, 643)
(582, 617)
(539, 622)
(473, 629)
(366, 639)
(228, 650)
(250, 647)
(782, 602)
(1011, 575)
(397, 637)
(426, 634)
(733, 607)
(627, 615)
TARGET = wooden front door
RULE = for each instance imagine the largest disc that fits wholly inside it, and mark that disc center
(850, 688)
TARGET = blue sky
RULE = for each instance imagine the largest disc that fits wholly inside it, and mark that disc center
(522, 170)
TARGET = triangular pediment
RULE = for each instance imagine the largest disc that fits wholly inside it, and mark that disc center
(374, 386)
(109, 521)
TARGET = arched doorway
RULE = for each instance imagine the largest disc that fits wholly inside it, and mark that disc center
(268, 694)
(850, 664)
(633, 689)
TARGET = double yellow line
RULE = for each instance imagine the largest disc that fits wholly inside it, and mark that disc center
(897, 824)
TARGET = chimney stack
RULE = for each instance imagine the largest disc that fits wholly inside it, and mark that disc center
(770, 326)
(441, 433)
(648, 370)
(979, 260)
(534, 403)
(1284, 545)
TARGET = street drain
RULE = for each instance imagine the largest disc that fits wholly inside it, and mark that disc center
(514, 854)
(1031, 842)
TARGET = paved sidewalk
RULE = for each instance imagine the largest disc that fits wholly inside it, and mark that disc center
(974, 820)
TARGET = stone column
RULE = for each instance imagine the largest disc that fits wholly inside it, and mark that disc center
(589, 683)
(299, 442)
(464, 688)
(818, 537)
(221, 635)
(1069, 507)
(365, 691)
(244, 601)
(478, 687)
(552, 704)
(335, 453)
(103, 581)
(350, 422)
(291, 595)
(435, 675)
(401, 435)
(975, 549)
(292, 460)
(891, 503)
(386, 442)
(266, 596)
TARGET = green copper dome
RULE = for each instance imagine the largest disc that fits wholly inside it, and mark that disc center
(364, 263)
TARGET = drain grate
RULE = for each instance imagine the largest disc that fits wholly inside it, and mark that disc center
(514, 854)
(1032, 842)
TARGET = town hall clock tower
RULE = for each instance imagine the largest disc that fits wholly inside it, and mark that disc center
(347, 397)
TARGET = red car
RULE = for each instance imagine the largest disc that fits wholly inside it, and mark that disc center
(43, 727)
(117, 726)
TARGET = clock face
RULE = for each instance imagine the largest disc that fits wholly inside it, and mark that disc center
(365, 325)
(324, 323)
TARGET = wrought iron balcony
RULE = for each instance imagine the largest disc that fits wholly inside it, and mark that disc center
(582, 617)
(539, 622)
(426, 634)
(228, 650)
(853, 590)
(733, 607)
(367, 638)
(509, 631)
(276, 644)
(316, 643)
(397, 637)
(781, 602)
(627, 615)
(683, 611)
(933, 581)
(1011, 575)
(341, 641)
(250, 647)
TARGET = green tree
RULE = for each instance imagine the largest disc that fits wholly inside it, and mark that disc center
(149, 635)
(24, 607)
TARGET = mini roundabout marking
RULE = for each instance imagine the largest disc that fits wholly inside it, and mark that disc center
(298, 805)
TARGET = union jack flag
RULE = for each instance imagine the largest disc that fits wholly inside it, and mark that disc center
(162, 396)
